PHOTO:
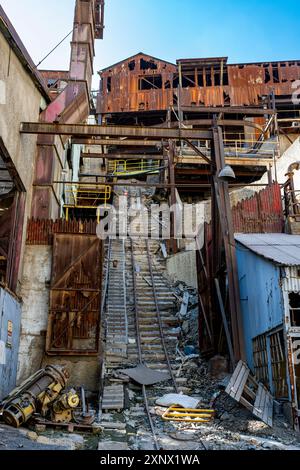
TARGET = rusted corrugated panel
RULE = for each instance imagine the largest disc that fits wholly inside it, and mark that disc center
(120, 86)
(215, 84)
(40, 232)
(75, 296)
(262, 213)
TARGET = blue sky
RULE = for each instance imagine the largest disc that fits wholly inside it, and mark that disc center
(243, 30)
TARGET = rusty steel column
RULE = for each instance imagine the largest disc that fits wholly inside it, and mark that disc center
(221, 192)
(71, 105)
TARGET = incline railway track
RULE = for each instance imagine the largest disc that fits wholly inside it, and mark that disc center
(160, 335)
(148, 317)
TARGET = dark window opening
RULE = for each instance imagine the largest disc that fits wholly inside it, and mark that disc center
(147, 65)
(267, 75)
(225, 78)
(167, 84)
(208, 78)
(52, 82)
(108, 86)
(151, 82)
(200, 79)
(188, 81)
(275, 75)
(131, 65)
(176, 82)
(294, 300)
(217, 79)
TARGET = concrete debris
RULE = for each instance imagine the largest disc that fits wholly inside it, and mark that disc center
(177, 399)
(112, 445)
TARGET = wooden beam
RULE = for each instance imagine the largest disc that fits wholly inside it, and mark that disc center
(88, 130)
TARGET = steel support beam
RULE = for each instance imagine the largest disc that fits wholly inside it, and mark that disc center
(122, 156)
(87, 130)
(222, 199)
(118, 142)
(228, 110)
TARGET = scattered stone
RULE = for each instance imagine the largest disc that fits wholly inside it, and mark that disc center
(40, 427)
(32, 435)
(112, 445)
(218, 367)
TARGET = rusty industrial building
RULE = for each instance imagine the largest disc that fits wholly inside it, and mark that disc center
(218, 137)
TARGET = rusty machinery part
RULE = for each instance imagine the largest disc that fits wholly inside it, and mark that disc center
(62, 409)
(34, 395)
(86, 419)
(84, 416)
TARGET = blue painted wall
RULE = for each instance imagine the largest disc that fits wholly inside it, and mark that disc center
(10, 311)
(261, 296)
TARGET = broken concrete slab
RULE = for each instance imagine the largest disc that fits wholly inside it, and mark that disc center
(177, 399)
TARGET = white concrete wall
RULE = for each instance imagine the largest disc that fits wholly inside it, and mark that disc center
(182, 267)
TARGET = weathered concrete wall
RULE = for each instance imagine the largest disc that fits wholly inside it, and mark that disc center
(35, 293)
(20, 101)
(10, 321)
(182, 267)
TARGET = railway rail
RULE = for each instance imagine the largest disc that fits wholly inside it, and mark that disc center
(150, 316)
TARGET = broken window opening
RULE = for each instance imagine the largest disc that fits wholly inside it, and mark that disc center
(108, 85)
(188, 81)
(225, 78)
(147, 65)
(275, 75)
(200, 79)
(260, 358)
(131, 65)
(269, 357)
(294, 301)
(267, 74)
(217, 79)
(208, 78)
(150, 82)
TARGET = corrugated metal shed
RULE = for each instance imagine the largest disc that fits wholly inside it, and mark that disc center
(282, 249)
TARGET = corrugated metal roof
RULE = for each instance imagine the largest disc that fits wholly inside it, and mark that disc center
(280, 248)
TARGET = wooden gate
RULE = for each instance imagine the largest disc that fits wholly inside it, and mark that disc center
(75, 296)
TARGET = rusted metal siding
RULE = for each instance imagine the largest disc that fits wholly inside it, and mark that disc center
(120, 86)
(262, 213)
(41, 232)
(75, 296)
(245, 84)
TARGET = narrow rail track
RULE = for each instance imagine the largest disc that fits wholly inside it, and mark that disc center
(150, 319)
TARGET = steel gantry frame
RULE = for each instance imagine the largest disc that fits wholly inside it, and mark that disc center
(221, 210)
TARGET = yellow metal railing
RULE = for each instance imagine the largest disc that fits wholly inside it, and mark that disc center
(127, 167)
(86, 196)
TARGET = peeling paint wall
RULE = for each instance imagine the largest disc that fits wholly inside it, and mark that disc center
(10, 319)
